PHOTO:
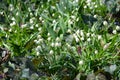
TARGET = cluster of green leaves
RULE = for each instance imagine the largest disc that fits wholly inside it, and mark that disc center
(60, 39)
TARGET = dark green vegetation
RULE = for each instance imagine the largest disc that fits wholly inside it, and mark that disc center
(59, 39)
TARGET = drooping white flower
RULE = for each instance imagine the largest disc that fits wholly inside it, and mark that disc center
(105, 23)
(114, 32)
(80, 62)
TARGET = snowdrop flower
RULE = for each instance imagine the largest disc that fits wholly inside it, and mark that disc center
(117, 27)
(13, 18)
(57, 39)
(96, 51)
(77, 19)
(80, 62)
(10, 30)
(13, 23)
(114, 32)
(53, 14)
(88, 39)
(40, 29)
(99, 37)
(69, 30)
(31, 21)
(32, 27)
(93, 35)
(51, 52)
(106, 46)
(17, 14)
(76, 39)
(88, 1)
(23, 25)
(37, 53)
(40, 18)
(57, 44)
(54, 22)
(81, 33)
(85, 7)
(82, 38)
(96, 6)
(39, 36)
(95, 16)
(49, 38)
(70, 22)
(38, 48)
(73, 17)
(36, 25)
(52, 44)
(105, 23)
(88, 34)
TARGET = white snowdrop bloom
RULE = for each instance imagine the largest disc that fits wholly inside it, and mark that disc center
(73, 17)
(95, 16)
(36, 25)
(76, 1)
(10, 30)
(69, 30)
(53, 14)
(48, 34)
(88, 39)
(105, 23)
(70, 21)
(76, 39)
(114, 32)
(23, 25)
(37, 53)
(88, 34)
(32, 27)
(96, 6)
(40, 18)
(54, 21)
(80, 62)
(51, 52)
(31, 21)
(40, 40)
(82, 38)
(13, 18)
(31, 14)
(39, 29)
(99, 37)
(57, 39)
(88, 1)
(59, 16)
(13, 23)
(39, 36)
(1, 12)
(106, 46)
(11, 7)
(93, 35)
(96, 51)
(117, 27)
(74, 35)
(77, 19)
(57, 44)
(81, 33)
(85, 7)
(42, 21)
(78, 32)
(76, 9)
(49, 38)
(35, 41)
(52, 44)
(38, 48)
